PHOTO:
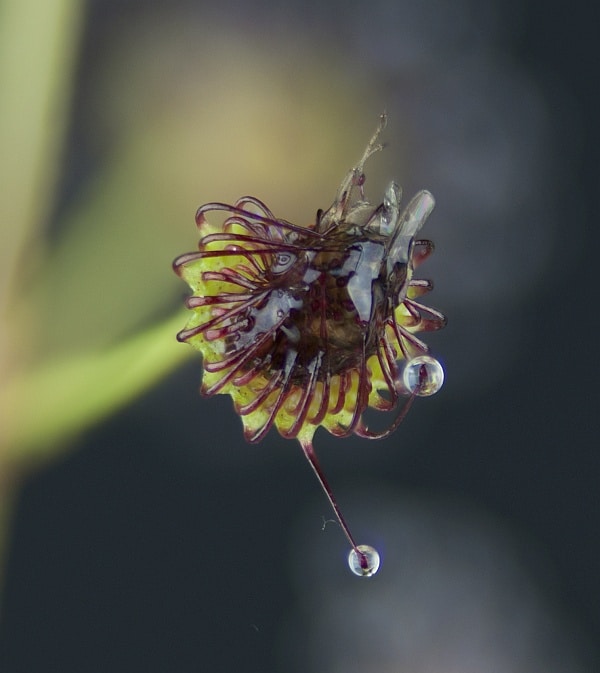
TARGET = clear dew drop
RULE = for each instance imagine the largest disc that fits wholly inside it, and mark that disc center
(365, 564)
(424, 373)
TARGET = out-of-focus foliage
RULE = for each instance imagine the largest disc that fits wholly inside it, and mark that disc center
(73, 341)
(72, 312)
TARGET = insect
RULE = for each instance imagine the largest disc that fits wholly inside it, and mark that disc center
(307, 327)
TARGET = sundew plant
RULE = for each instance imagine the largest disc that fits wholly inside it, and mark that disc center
(308, 327)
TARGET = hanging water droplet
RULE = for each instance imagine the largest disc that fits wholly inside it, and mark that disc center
(423, 374)
(366, 562)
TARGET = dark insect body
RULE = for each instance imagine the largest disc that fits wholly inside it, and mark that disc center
(306, 326)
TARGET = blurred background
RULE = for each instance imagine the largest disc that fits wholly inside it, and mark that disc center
(139, 531)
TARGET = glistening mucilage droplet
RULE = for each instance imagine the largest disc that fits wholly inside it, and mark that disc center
(423, 376)
(364, 561)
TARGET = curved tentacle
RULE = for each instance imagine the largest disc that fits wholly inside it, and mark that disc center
(363, 431)
(436, 321)
(261, 395)
(405, 337)
(325, 392)
(246, 214)
(244, 201)
(421, 250)
(305, 399)
(387, 362)
(236, 362)
(258, 434)
(224, 318)
(363, 390)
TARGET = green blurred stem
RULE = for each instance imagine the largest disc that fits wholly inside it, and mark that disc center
(44, 408)
(38, 46)
(60, 399)
(38, 49)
